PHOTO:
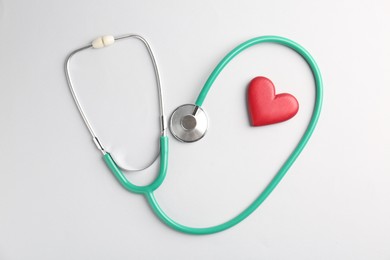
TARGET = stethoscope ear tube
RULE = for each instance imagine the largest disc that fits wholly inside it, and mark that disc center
(99, 43)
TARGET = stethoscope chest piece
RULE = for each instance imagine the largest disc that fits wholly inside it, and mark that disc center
(188, 123)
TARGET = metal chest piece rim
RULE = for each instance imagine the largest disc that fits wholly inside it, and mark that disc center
(188, 123)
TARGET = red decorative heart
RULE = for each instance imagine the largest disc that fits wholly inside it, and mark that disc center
(265, 107)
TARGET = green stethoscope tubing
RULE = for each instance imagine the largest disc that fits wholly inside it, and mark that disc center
(149, 189)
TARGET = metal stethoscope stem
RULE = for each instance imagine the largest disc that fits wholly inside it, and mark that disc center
(100, 43)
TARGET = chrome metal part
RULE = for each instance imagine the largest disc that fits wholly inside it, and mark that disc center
(97, 142)
(188, 123)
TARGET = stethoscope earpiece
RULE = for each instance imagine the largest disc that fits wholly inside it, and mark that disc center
(188, 123)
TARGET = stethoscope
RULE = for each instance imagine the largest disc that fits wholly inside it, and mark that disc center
(189, 123)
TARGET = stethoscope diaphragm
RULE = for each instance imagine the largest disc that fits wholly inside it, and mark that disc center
(188, 123)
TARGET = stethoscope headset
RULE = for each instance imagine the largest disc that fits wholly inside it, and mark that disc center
(189, 123)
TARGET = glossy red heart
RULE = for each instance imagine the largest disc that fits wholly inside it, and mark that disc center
(265, 107)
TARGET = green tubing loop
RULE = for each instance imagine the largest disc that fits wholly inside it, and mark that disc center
(148, 190)
(283, 170)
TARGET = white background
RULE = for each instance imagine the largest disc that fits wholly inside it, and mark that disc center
(59, 201)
